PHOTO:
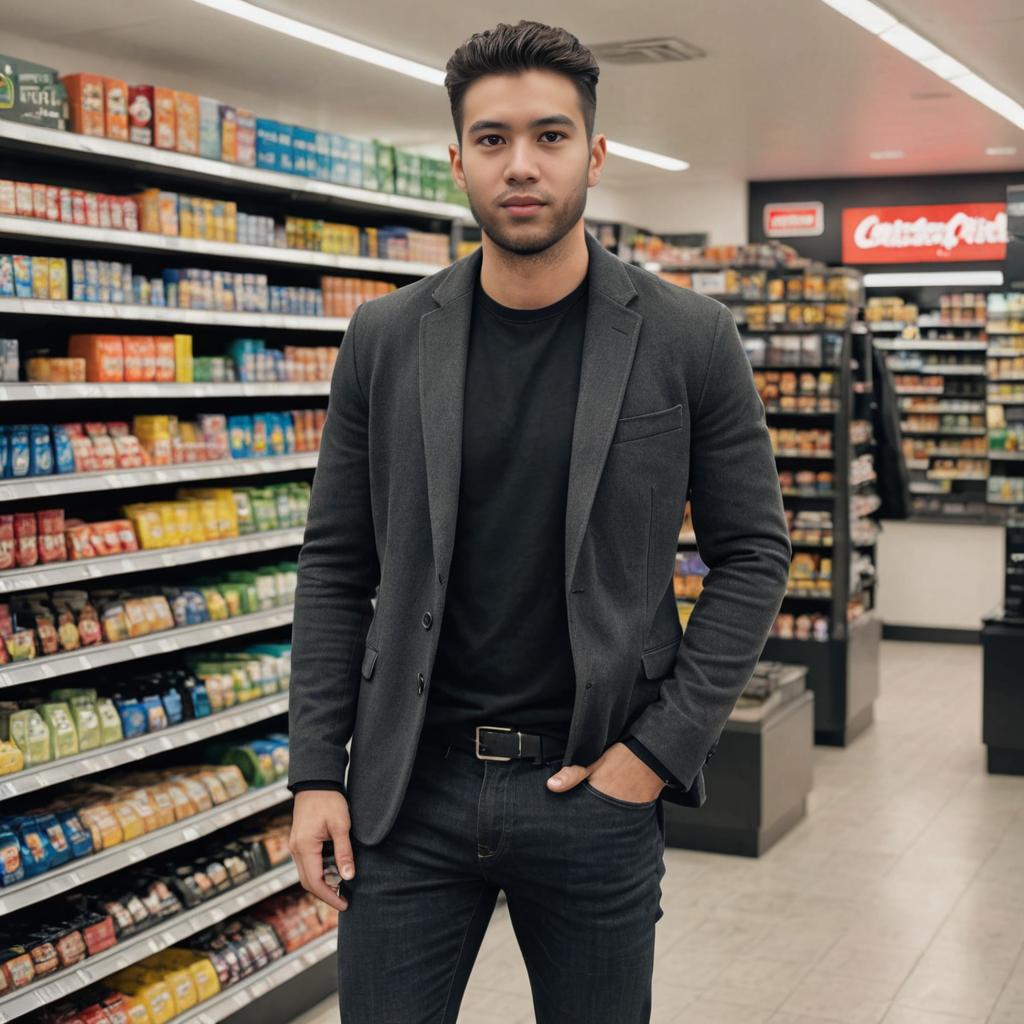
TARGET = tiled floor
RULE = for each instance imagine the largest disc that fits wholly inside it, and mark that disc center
(899, 899)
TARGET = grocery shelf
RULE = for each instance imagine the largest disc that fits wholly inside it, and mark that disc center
(38, 392)
(50, 142)
(236, 997)
(1005, 353)
(170, 314)
(1005, 501)
(131, 750)
(936, 321)
(954, 371)
(86, 869)
(952, 431)
(931, 346)
(920, 391)
(86, 659)
(918, 463)
(147, 476)
(142, 561)
(827, 456)
(951, 405)
(144, 241)
(975, 477)
(1006, 399)
(175, 929)
(886, 326)
(1005, 456)
(1005, 332)
(1010, 378)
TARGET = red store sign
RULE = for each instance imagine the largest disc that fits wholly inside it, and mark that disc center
(949, 233)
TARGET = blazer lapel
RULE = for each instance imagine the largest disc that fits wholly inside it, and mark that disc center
(443, 348)
(608, 350)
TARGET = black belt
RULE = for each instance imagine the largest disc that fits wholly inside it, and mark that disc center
(499, 743)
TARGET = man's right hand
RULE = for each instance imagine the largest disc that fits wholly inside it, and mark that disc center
(319, 816)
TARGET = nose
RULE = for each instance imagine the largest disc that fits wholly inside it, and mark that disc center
(522, 163)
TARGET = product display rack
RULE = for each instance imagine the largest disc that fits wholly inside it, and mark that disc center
(36, 995)
(42, 327)
(843, 669)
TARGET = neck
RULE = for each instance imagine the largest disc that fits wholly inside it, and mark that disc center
(533, 282)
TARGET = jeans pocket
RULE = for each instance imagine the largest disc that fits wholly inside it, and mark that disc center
(616, 801)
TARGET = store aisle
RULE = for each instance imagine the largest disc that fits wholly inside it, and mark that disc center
(899, 899)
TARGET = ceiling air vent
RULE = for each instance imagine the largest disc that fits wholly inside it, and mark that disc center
(647, 51)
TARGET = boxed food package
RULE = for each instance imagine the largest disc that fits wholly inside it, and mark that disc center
(103, 355)
(115, 109)
(165, 118)
(186, 112)
(33, 94)
(209, 128)
(228, 134)
(86, 102)
(245, 131)
(140, 114)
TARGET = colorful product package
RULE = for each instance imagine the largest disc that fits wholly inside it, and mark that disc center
(140, 114)
(165, 118)
(115, 108)
(85, 99)
(22, 276)
(186, 112)
(209, 128)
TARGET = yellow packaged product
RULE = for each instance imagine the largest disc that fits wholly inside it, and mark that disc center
(197, 792)
(164, 804)
(211, 780)
(232, 779)
(204, 974)
(158, 999)
(11, 757)
(147, 808)
(183, 805)
(148, 523)
(183, 988)
(169, 519)
(135, 1009)
(103, 824)
(159, 611)
(183, 358)
(132, 825)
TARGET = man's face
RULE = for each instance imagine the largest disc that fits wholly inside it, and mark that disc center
(525, 159)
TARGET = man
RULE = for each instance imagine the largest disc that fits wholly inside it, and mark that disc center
(508, 450)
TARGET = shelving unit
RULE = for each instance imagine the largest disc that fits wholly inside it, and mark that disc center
(843, 670)
(42, 325)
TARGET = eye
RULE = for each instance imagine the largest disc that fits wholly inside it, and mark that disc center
(483, 140)
(557, 136)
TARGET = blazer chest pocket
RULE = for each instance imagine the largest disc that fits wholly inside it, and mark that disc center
(649, 424)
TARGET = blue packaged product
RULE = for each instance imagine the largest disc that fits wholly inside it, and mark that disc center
(156, 296)
(78, 280)
(266, 144)
(5, 453)
(285, 150)
(54, 832)
(156, 717)
(22, 276)
(133, 716)
(11, 867)
(195, 608)
(79, 838)
(42, 451)
(19, 451)
(200, 699)
(36, 851)
(289, 432)
(172, 706)
(240, 436)
(64, 454)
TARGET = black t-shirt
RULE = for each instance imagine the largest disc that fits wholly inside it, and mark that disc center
(504, 656)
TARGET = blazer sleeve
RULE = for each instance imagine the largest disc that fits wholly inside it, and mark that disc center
(742, 536)
(338, 571)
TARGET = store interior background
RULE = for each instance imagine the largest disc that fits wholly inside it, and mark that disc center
(784, 101)
(786, 92)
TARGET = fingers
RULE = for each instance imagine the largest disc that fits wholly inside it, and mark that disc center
(310, 863)
(316, 818)
(567, 777)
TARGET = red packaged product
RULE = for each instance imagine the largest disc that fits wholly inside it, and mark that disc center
(92, 210)
(26, 548)
(104, 538)
(85, 454)
(39, 200)
(78, 206)
(23, 198)
(131, 213)
(106, 457)
(99, 936)
(116, 205)
(52, 547)
(66, 208)
(52, 202)
(103, 206)
(6, 542)
(140, 114)
(126, 534)
(79, 541)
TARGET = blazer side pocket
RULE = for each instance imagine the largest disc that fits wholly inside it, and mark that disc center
(648, 424)
(369, 661)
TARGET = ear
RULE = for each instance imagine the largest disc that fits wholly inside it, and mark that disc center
(455, 155)
(598, 152)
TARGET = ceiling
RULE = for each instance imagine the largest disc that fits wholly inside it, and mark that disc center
(789, 88)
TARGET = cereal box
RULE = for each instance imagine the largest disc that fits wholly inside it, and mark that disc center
(116, 108)
(85, 96)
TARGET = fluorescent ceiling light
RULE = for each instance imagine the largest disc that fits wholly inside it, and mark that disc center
(865, 13)
(1001, 151)
(882, 24)
(944, 278)
(371, 55)
(888, 154)
(645, 156)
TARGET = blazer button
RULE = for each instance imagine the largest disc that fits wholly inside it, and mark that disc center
(427, 620)
(419, 683)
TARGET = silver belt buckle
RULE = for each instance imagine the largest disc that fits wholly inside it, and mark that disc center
(495, 728)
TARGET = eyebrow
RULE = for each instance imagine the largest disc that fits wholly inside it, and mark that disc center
(540, 122)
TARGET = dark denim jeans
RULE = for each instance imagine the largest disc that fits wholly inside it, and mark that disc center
(581, 872)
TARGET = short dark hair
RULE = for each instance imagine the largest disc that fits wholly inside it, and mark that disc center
(529, 45)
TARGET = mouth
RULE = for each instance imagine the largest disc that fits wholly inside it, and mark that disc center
(525, 207)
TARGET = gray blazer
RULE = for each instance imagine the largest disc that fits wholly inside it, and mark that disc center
(667, 409)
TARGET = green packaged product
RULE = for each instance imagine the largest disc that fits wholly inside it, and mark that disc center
(216, 606)
(232, 594)
(72, 693)
(264, 509)
(87, 723)
(110, 721)
(250, 595)
(32, 735)
(243, 510)
(63, 736)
